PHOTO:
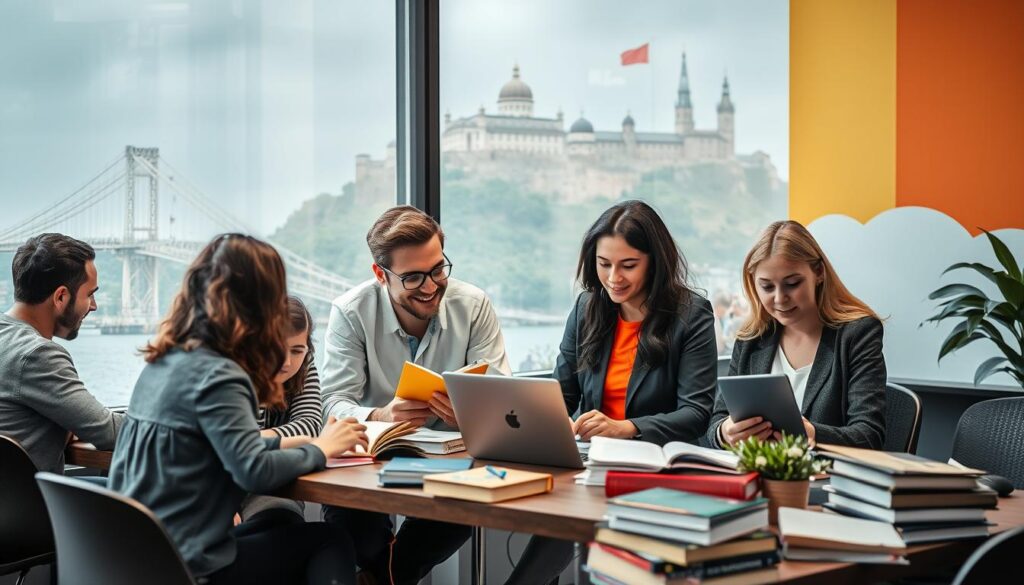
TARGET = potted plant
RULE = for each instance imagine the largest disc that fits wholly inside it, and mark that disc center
(786, 467)
(999, 320)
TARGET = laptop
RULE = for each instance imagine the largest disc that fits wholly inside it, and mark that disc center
(521, 420)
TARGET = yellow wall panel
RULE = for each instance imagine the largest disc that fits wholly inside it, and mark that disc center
(842, 108)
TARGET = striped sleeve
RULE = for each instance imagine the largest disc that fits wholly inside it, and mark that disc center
(305, 411)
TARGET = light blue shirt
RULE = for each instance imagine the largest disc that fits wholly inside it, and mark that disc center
(366, 347)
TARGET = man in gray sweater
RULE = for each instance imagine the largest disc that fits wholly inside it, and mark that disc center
(42, 400)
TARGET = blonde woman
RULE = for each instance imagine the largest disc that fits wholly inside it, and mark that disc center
(805, 324)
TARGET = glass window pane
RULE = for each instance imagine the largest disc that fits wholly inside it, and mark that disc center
(547, 120)
(274, 118)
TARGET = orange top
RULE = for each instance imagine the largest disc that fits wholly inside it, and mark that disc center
(620, 366)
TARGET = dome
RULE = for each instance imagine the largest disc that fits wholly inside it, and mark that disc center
(628, 121)
(581, 126)
(515, 89)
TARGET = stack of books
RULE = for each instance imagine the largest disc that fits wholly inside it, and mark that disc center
(410, 471)
(662, 535)
(607, 455)
(817, 536)
(926, 501)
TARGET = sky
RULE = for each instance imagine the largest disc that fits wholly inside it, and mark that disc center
(264, 104)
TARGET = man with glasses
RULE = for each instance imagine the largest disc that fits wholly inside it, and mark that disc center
(412, 310)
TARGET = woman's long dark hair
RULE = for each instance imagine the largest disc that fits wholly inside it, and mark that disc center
(233, 300)
(665, 283)
(300, 321)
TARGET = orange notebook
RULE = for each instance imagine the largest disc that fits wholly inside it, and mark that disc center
(419, 383)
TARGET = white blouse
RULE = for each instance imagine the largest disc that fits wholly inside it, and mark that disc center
(797, 377)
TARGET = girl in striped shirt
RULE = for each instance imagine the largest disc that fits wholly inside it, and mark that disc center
(297, 424)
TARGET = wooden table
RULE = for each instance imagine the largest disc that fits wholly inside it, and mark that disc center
(571, 511)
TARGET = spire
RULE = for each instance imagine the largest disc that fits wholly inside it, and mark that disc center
(683, 97)
(725, 106)
(515, 71)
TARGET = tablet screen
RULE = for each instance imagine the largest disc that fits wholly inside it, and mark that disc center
(766, 395)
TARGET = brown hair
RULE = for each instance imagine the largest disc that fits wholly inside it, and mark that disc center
(232, 301)
(299, 321)
(397, 227)
(836, 304)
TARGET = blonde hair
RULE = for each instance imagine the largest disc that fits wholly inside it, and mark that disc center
(789, 239)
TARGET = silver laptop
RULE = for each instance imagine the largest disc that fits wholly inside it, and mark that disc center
(522, 420)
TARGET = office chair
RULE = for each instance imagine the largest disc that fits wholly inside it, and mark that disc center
(994, 561)
(990, 436)
(104, 537)
(902, 419)
(26, 540)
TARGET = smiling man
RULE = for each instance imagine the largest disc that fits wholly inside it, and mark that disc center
(411, 310)
(41, 397)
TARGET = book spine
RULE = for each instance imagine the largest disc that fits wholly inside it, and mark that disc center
(712, 569)
(620, 484)
(637, 560)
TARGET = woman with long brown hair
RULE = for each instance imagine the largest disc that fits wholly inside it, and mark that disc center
(806, 324)
(190, 447)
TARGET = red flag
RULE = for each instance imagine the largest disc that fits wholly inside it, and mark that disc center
(634, 56)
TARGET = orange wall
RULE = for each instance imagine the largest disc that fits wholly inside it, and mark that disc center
(960, 109)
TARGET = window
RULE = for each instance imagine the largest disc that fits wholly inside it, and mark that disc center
(561, 131)
(272, 118)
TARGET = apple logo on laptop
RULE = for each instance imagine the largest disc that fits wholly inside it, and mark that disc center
(512, 419)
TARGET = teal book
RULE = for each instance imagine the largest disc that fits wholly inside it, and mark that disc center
(423, 466)
(668, 506)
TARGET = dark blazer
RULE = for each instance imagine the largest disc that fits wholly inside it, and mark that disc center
(845, 396)
(671, 402)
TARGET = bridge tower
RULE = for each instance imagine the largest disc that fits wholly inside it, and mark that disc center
(139, 281)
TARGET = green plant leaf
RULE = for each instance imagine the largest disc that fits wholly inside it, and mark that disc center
(953, 289)
(993, 333)
(1012, 288)
(976, 266)
(1004, 256)
(954, 340)
(987, 368)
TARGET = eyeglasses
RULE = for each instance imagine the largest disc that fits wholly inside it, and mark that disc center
(414, 280)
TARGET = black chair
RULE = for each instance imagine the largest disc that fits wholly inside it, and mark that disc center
(995, 561)
(990, 436)
(902, 419)
(26, 540)
(104, 537)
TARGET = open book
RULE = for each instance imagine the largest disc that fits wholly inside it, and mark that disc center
(630, 455)
(389, 436)
(419, 383)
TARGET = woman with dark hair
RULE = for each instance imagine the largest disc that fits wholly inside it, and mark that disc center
(638, 357)
(296, 424)
(190, 447)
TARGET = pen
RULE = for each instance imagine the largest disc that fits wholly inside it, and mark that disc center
(495, 472)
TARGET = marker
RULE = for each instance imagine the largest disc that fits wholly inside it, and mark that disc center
(495, 472)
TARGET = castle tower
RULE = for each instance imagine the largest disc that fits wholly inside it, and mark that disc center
(727, 119)
(515, 98)
(629, 133)
(684, 108)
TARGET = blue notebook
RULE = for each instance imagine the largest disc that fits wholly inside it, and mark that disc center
(414, 465)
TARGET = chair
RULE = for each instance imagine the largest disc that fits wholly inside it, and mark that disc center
(26, 539)
(104, 537)
(990, 436)
(994, 561)
(902, 419)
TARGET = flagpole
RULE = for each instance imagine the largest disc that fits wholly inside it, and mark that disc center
(650, 58)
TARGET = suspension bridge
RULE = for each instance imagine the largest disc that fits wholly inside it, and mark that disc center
(144, 211)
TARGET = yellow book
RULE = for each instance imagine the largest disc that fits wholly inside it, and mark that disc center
(419, 383)
(481, 485)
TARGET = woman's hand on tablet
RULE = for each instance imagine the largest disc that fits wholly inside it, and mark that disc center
(808, 430)
(734, 432)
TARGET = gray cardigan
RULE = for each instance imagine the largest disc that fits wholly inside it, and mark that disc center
(190, 450)
(845, 397)
(670, 402)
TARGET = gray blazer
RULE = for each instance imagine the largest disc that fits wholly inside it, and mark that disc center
(671, 402)
(845, 396)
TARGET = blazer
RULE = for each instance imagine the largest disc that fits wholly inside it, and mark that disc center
(845, 396)
(671, 402)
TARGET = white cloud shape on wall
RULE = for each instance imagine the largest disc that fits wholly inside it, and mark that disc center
(893, 262)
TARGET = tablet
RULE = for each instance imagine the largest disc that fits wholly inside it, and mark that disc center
(766, 395)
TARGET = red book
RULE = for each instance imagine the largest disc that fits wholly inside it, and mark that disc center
(737, 487)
